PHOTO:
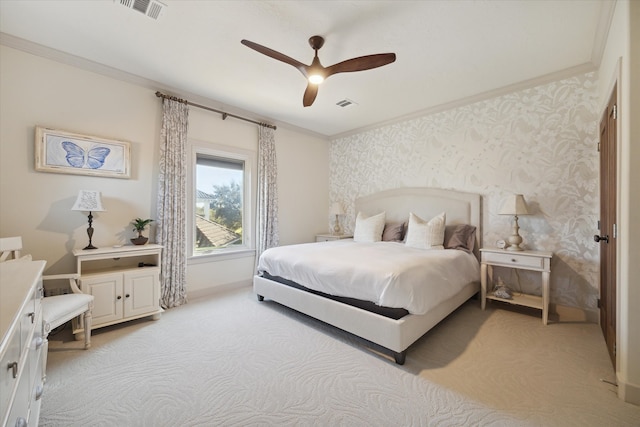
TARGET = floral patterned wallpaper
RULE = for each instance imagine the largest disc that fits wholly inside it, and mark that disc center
(540, 142)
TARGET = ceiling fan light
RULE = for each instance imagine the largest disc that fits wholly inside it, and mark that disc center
(316, 79)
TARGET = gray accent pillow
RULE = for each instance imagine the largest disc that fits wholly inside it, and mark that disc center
(393, 232)
(461, 236)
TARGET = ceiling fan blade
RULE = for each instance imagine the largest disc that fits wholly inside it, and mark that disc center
(310, 94)
(276, 55)
(361, 63)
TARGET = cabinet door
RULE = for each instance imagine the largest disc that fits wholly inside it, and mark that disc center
(107, 290)
(141, 291)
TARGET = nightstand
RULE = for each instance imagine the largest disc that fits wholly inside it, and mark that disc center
(523, 260)
(331, 237)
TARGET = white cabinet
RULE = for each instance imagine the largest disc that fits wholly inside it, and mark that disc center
(125, 282)
(23, 347)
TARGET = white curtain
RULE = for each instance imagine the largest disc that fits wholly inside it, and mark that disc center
(172, 202)
(267, 192)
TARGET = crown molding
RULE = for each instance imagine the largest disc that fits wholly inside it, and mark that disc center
(587, 67)
(607, 9)
(114, 73)
(98, 68)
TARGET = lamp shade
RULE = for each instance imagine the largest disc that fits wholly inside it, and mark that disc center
(514, 205)
(88, 201)
(336, 209)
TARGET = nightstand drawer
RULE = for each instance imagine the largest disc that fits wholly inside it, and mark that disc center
(332, 237)
(513, 260)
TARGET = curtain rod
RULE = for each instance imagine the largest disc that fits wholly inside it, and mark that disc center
(224, 115)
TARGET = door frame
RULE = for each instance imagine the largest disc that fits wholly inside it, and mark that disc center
(608, 223)
(615, 83)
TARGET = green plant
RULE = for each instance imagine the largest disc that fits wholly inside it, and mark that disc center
(140, 224)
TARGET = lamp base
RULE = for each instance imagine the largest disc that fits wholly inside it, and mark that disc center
(515, 239)
(90, 233)
(337, 230)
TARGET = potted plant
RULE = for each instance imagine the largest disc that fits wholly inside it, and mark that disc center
(139, 225)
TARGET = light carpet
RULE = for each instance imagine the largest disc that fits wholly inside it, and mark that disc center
(229, 360)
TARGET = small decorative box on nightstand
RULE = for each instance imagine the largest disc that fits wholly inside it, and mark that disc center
(330, 237)
(523, 260)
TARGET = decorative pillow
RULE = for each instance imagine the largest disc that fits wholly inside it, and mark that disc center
(369, 229)
(393, 232)
(426, 235)
(462, 236)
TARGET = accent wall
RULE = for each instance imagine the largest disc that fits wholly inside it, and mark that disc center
(540, 142)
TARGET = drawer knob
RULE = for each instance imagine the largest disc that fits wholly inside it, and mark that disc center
(38, 342)
(21, 422)
(514, 260)
(39, 391)
(127, 296)
(119, 297)
(14, 369)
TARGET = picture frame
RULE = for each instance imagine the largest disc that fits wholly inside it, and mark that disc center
(66, 152)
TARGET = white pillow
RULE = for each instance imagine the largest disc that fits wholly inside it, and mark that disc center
(426, 235)
(369, 229)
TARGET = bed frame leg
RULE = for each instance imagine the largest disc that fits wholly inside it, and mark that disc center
(260, 298)
(400, 357)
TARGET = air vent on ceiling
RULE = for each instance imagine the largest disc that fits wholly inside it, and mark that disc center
(151, 8)
(346, 103)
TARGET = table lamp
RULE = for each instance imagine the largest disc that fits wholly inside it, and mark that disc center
(514, 205)
(336, 209)
(89, 201)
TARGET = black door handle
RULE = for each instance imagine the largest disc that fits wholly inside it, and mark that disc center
(597, 238)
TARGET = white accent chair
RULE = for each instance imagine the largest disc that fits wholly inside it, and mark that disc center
(59, 309)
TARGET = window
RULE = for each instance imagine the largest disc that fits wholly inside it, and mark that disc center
(221, 219)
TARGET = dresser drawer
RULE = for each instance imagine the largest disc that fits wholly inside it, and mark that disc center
(7, 381)
(28, 319)
(22, 346)
(513, 260)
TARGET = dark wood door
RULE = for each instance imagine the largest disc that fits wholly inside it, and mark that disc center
(608, 231)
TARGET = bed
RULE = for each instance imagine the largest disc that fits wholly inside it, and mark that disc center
(395, 332)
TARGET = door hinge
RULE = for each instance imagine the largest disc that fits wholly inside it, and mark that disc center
(598, 303)
(598, 224)
(614, 113)
(615, 231)
(598, 147)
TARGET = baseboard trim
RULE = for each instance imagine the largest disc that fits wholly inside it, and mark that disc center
(629, 393)
(574, 314)
(206, 292)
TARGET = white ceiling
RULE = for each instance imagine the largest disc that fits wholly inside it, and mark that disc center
(447, 51)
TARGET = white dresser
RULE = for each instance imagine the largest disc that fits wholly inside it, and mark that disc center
(22, 349)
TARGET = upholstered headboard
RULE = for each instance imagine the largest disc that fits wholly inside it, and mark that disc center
(460, 207)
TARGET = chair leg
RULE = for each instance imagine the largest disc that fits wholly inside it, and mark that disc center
(87, 329)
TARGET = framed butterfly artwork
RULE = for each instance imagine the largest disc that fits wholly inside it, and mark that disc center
(66, 152)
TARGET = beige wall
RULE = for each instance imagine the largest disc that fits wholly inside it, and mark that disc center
(621, 63)
(36, 205)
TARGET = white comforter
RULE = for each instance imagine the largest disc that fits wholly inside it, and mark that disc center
(387, 273)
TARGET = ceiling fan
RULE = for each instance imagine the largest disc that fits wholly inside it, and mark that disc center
(316, 73)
